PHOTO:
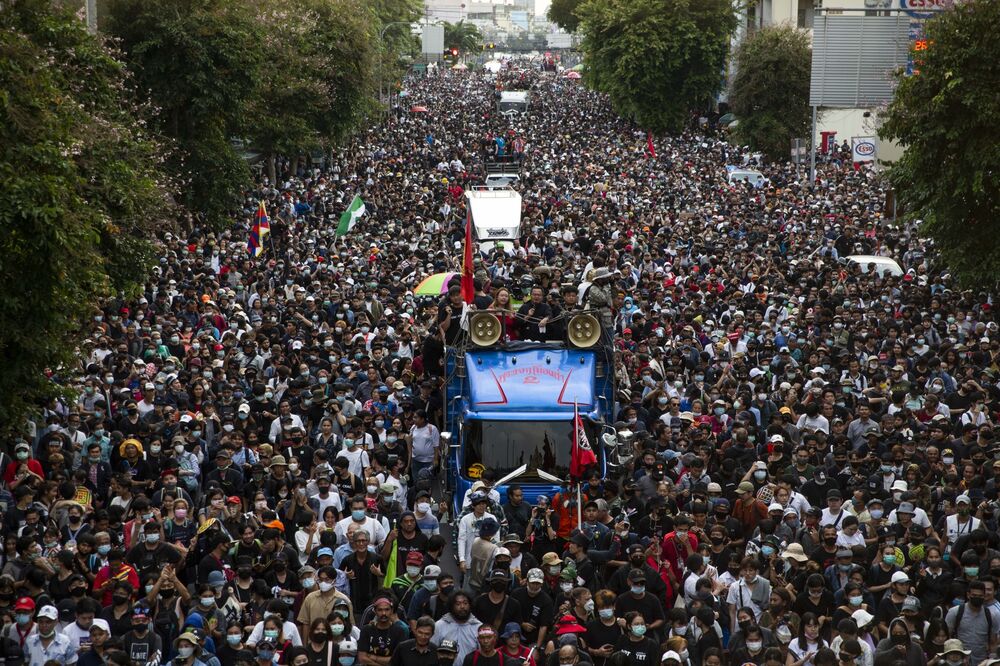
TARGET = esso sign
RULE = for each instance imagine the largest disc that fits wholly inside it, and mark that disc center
(865, 148)
(924, 8)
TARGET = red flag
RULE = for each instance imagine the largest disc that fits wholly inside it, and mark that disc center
(581, 455)
(468, 288)
(649, 145)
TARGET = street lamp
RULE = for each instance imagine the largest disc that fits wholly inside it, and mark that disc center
(381, 56)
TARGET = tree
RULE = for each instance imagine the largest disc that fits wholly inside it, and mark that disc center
(201, 62)
(770, 91)
(462, 36)
(563, 14)
(82, 191)
(945, 117)
(317, 83)
(658, 60)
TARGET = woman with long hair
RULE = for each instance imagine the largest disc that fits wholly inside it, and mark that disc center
(804, 647)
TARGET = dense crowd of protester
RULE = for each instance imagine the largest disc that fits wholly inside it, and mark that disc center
(252, 472)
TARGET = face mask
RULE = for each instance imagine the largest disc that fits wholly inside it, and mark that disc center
(155, 448)
(207, 601)
(638, 589)
(423, 507)
(681, 631)
(308, 583)
(178, 449)
(876, 514)
(900, 639)
(271, 634)
(234, 639)
(23, 618)
(152, 538)
(346, 660)
(185, 652)
(336, 629)
(971, 572)
(639, 629)
(754, 645)
(566, 587)
(412, 572)
(856, 601)
(760, 475)
(358, 515)
(259, 504)
(606, 613)
(103, 550)
(767, 551)
(325, 586)
(266, 655)
(22, 455)
(430, 585)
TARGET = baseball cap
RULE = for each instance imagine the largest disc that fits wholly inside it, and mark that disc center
(900, 577)
(447, 645)
(49, 612)
(25, 603)
(101, 623)
(535, 576)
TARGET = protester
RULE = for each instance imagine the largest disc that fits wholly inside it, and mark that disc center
(253, 471)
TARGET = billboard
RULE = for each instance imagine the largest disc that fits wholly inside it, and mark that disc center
(855, 58)
(432, 40)
(863, 149)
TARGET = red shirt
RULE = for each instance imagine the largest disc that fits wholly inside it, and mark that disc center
(126, 573)
(10, 473)
(675, 554)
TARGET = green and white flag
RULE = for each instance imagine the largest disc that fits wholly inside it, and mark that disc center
(351, 216)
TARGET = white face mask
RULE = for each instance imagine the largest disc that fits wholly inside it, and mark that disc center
(325, 586)
(423, 507)
(371, 489)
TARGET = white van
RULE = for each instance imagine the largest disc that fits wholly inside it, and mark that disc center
(513, 102)
(883, 265)
(752, 176)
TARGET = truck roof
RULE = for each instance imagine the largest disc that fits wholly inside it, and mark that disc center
(496, 213)
(514, 96)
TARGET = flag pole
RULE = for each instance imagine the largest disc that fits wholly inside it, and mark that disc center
(576, 438)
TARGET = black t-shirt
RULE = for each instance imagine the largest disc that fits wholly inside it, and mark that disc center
(648, 605)
(477, 659)
(141, 650)
(148, 561)
(407, 654)
(598, 635)
(415, 544)
(487, 612)
(380, 642)
(538, 610)
(640, 653)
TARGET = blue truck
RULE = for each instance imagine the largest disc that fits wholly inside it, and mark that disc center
(510, 408)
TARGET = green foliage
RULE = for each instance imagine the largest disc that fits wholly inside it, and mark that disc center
(946, 118)
(563, 14)
(463, 36)
(770, 92)
(658, 60)
(81, 189)
(201, 62)
(318, 78)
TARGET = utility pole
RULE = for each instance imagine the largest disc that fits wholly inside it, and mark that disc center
(91, 9)
(812, 149)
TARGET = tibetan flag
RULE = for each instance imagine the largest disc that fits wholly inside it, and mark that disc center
(254, 247)
(262, 221)
(468, 286)
(582, 454)
(351, 216)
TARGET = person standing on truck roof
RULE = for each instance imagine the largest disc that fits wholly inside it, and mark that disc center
(451, 314)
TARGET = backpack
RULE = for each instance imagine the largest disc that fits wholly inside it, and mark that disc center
(961, 612)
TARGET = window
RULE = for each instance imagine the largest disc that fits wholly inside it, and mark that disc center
(503, 446)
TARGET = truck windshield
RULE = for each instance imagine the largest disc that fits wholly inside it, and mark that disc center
(503, 446)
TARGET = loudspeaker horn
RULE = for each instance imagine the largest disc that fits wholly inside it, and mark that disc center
(484, 329)
(584, 330)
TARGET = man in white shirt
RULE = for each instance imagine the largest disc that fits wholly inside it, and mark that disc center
(834, 512)
(752, 590)
(48, 644)
(359, 516)
(468, 528)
